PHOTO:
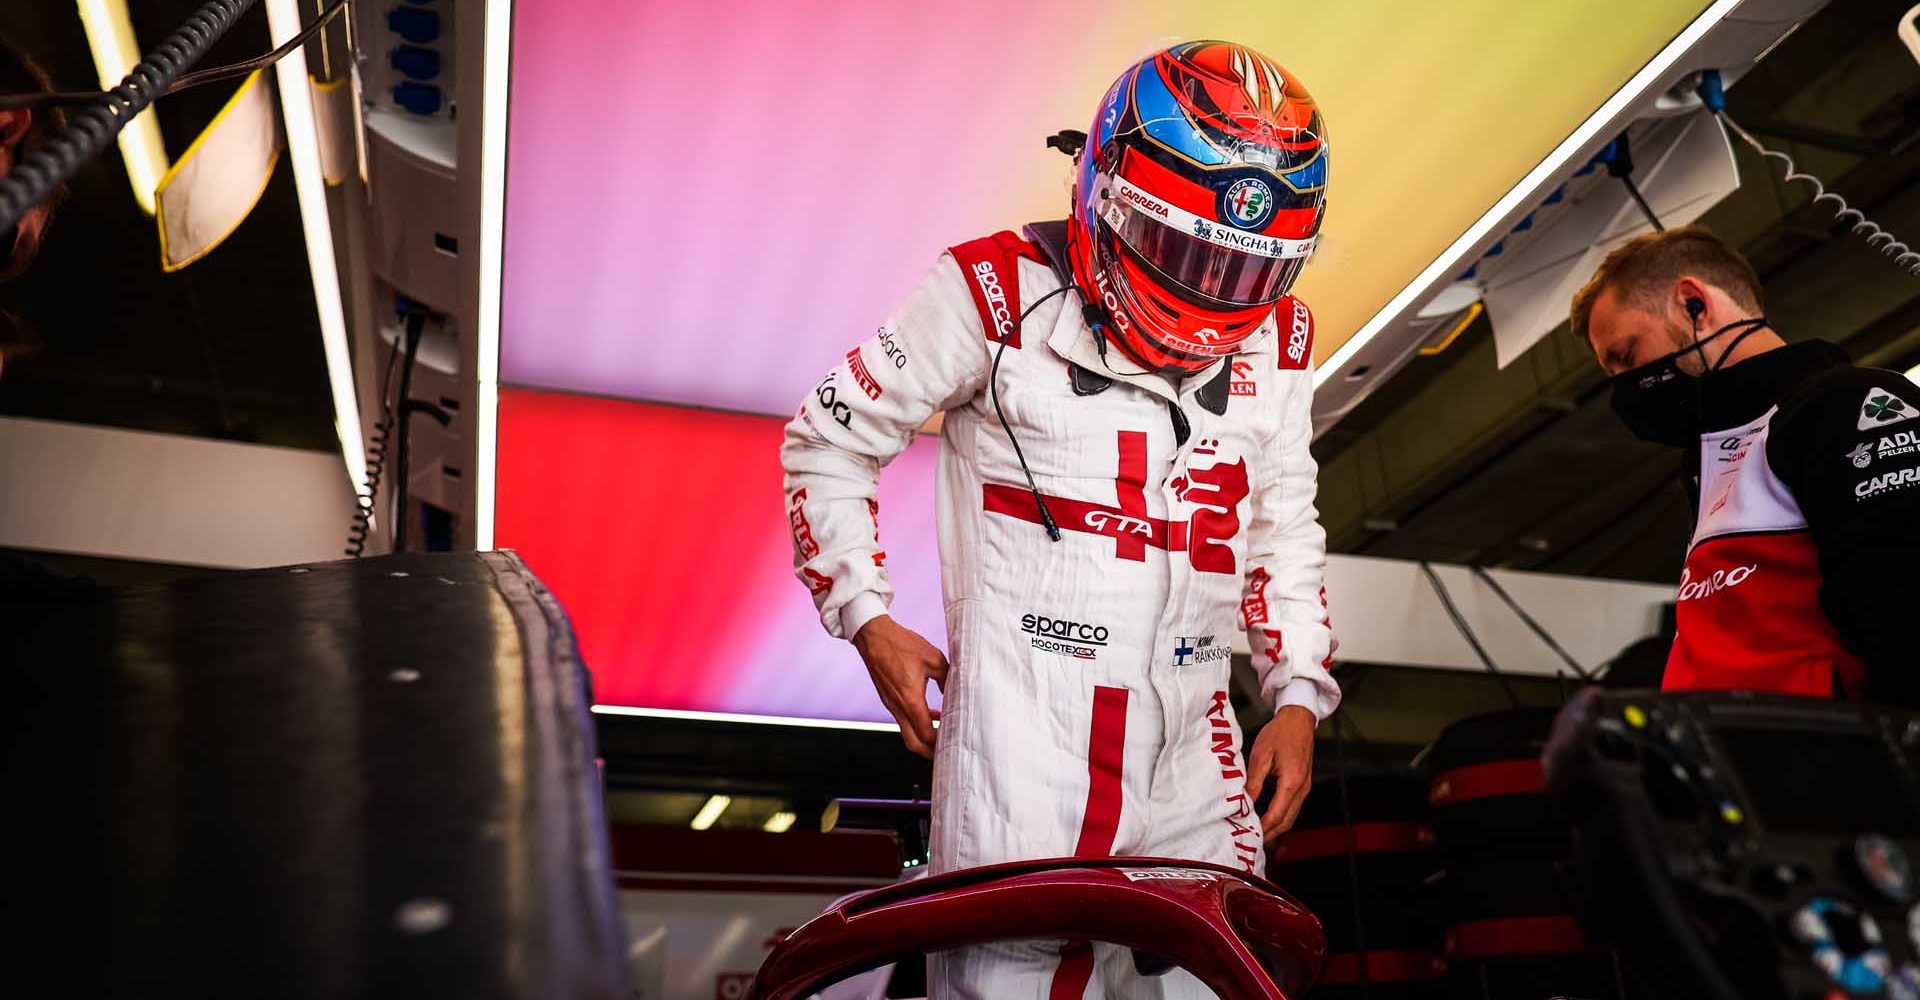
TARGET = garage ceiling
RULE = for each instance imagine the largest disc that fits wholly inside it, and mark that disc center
(1456, 461)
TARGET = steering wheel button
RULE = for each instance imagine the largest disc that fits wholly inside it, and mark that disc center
(1884, 865)
(1905, 984)
(1807, 927)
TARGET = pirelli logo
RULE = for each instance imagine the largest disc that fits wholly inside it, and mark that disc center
(861, 375)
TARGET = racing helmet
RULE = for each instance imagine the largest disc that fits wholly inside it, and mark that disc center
(1197, 201)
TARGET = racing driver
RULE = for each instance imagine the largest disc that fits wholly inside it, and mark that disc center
(1123, 479)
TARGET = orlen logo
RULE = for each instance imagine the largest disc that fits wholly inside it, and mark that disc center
(802, 531)
(1693, 590)
(1241, 383)
(1144, 202)
(988, 278)
(1300, 339)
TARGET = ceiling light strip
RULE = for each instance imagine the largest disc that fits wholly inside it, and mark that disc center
(765, 720)
(115, 53)
(709, 814)
(1530, 187)
(303, 152)
(496, 69)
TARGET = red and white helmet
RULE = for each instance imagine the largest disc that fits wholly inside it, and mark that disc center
(1198, 200)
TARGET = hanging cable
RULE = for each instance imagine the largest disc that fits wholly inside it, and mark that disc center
(38, 174)
(416, 320)
(1618, 156)
(993, 390)
(49, 99)
(1559, 650)
(1903, 256)
(365, 502)
(1460, 623)
(1638, 199)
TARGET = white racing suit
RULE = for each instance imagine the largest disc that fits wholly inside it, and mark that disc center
(1086, 712)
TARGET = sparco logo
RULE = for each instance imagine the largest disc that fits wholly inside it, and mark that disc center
(1693, 590)
(1301, 337)
(1898, 479)
(1060, 635)
(1144, 202)
(988, 278)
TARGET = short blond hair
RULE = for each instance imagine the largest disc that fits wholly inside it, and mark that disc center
(1642, 269)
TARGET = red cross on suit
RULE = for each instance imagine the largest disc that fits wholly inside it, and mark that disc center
(1217, 490)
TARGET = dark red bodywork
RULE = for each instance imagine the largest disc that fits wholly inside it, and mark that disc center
(1241, 935)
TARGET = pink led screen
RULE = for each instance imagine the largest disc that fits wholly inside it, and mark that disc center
(662, 532)
(747, 187)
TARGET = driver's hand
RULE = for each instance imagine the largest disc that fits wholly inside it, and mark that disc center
(901, 663)
(1283, 751)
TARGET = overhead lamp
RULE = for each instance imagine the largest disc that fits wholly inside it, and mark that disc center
(779, 822)
(303, 152)
(710, 813)
(115, 53)
(494, 67)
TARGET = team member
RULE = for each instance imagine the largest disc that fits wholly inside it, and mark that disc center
(1123, 480)
(1805, 475)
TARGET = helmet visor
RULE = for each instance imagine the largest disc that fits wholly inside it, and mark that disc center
(1216, 263)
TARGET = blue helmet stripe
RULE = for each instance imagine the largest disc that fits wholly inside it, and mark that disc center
(1166, 121)
(1311, 176)
(1110, 111)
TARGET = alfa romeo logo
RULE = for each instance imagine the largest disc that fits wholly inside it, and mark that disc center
(1248, 203)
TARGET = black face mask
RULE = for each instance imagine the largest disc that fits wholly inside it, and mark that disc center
(1659, 402)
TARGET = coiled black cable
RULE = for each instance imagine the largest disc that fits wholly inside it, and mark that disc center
(363, 504)
(53, 99)
(1903, 256)
(91, 129)
(367, 499)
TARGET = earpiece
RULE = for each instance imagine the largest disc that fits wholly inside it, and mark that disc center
(1695, 307)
